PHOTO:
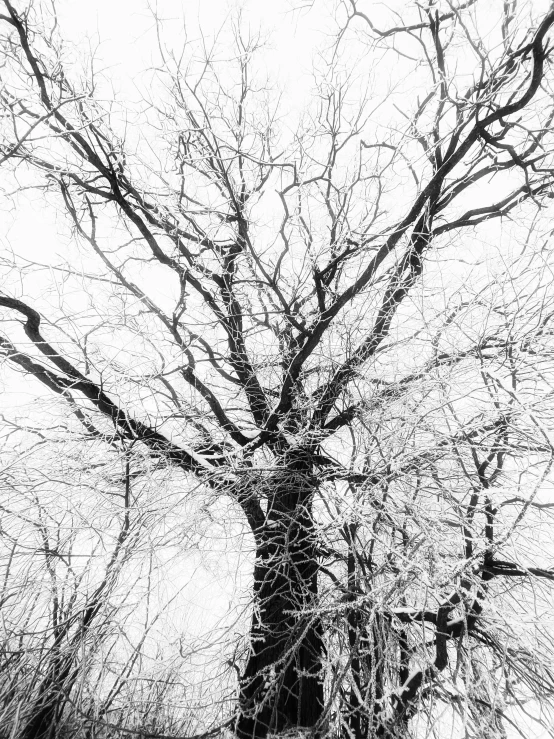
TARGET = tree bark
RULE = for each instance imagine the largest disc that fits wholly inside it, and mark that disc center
(281, 687)
(52, 697)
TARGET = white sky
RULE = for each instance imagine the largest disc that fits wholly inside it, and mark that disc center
(121, 31)
(125, 30)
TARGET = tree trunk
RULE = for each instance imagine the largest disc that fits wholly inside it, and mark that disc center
(281, 687)
(57, 684)
(52, 697)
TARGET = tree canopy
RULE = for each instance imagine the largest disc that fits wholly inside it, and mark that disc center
(302, 346)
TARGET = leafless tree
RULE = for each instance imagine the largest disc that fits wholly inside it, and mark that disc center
(78, 527)
(343, 329)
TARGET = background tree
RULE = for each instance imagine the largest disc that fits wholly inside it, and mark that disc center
(341, 328)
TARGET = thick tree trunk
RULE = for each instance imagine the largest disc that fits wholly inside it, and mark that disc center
(281, 687)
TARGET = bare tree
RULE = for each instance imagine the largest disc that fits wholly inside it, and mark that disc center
(343, 329)
(78, 527)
